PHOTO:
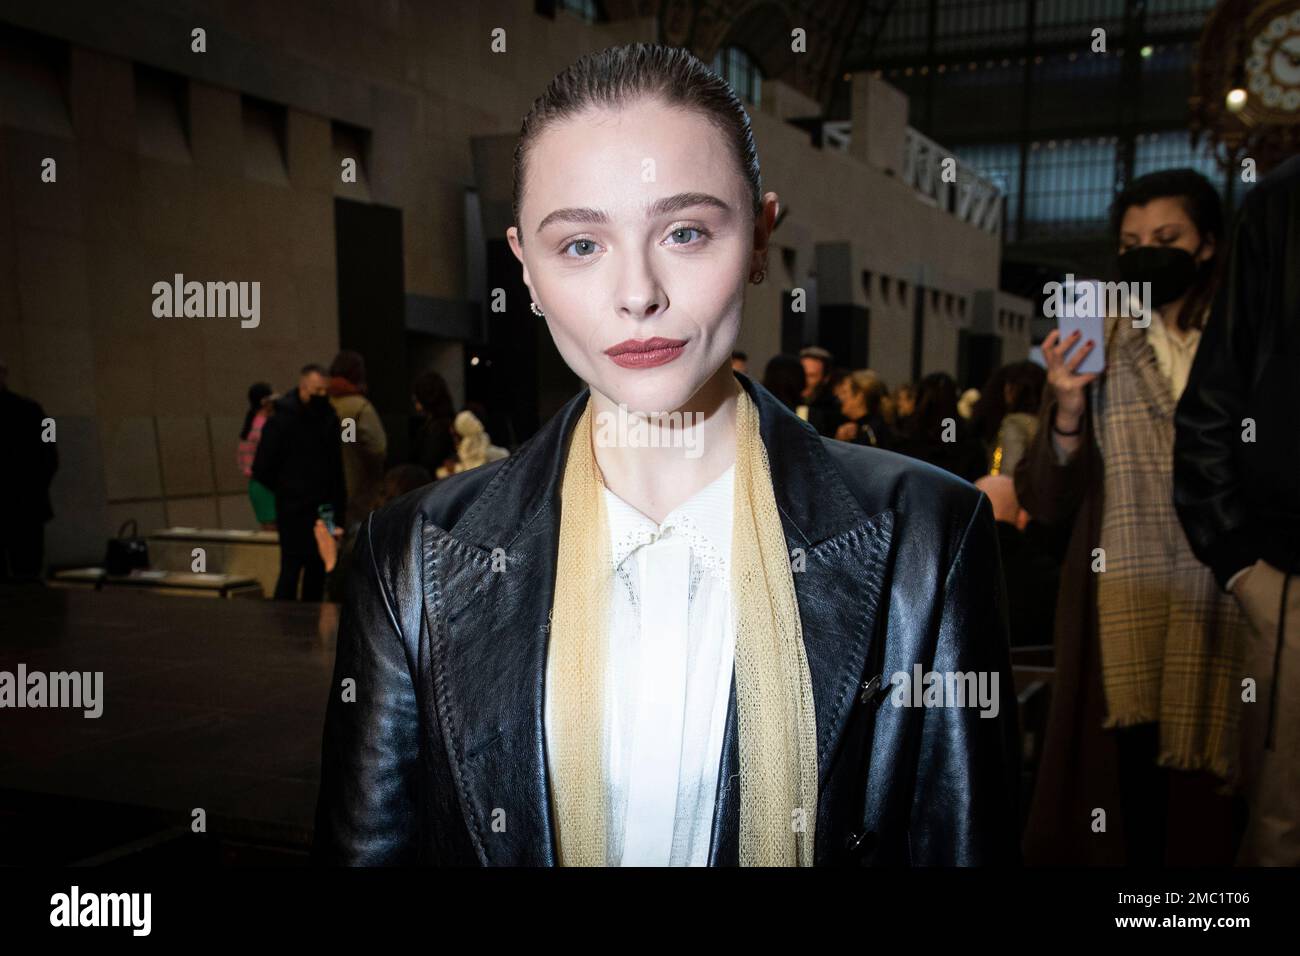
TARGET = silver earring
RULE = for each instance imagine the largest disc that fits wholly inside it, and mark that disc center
(536, 310)
(758, 276)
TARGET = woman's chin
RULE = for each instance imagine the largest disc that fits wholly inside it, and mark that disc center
(645, 391)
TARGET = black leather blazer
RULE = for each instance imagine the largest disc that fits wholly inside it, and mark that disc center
(440, 758)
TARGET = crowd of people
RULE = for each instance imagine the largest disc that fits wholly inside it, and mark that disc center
(317, 462)
(1145, 531)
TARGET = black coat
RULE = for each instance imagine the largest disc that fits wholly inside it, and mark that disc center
(1238, 500)
(30, 462)
(300, 458)
(448, 655)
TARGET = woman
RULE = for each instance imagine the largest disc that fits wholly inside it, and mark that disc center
(904, 405)
(1006, 416)
(864, 402)
(598, 651)
(1144, 715)
(261, 403)
(937, 433)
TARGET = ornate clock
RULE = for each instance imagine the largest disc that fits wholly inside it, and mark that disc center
(1273, 65)
(1251, 46)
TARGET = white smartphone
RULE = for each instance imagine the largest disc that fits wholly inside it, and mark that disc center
(1085, 304)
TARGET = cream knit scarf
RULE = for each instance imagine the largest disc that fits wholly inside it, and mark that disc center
(775, 719)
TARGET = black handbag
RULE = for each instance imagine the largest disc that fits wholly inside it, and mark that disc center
(126, 552)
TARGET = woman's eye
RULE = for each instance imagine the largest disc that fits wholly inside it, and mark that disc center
(587, 247)
(684, 231)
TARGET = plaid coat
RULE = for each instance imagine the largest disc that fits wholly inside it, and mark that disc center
(1078, 770)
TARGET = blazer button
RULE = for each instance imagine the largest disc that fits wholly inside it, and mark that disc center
(870, 689)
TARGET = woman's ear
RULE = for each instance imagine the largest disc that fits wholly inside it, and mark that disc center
(517, 247)
(1207, 249)
(763, 225)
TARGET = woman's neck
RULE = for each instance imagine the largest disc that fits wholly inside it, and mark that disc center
(684, 453)
(1169, 315)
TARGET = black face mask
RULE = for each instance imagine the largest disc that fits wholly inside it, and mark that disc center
(318, 403)
(1170, 270)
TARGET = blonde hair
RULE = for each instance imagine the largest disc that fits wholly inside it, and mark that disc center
(865, 382)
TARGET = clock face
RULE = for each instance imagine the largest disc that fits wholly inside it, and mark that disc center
(1273, 66)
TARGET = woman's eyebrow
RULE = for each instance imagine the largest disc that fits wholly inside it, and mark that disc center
(660, 207)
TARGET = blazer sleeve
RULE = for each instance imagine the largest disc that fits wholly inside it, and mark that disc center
(1049, 489)
(1207, 471)
(964, 810)
(366, 808)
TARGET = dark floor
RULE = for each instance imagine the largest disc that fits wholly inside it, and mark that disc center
(212, 704)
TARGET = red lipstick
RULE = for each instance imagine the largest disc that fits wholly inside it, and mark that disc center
(646, 353)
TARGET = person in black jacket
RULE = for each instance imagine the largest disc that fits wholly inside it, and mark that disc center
(1237, 491)
(300, 459)
(819, 390)
(461, 593)
(24, 484)
(937, 433)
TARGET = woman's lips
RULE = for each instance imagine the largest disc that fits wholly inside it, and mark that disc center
(646, 353)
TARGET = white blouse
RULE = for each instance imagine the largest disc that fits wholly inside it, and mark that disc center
(668, 676)
(1174, 354)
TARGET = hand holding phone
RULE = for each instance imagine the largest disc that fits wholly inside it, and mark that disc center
(326, 513)
(1084, 313)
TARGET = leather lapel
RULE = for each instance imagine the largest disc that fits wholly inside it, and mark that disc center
(488, 584)
(844, 555)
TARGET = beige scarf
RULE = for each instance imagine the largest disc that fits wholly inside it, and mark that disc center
(775, 720)
(1170, 639)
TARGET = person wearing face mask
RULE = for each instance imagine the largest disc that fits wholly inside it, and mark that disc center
(300, 459)
(668, 641)
(1142, 736)
(1236, 474)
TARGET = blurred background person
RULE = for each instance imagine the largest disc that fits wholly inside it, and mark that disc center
(1144, 708)
(864, 403)
(261, 404)
(432, 443)
(823, 409)
(935, 432)
(1238, 499)
(473, 446)
(300, 459)
(30, 464)
(1006, 416)
(966, 403)
(904, 402)
(785, 378)
(365, 455)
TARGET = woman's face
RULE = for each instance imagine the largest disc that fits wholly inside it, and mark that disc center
(1163, 222)
(853, 404)
(636, 225)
